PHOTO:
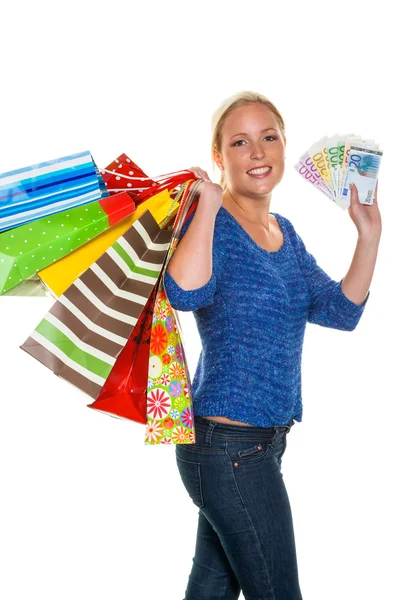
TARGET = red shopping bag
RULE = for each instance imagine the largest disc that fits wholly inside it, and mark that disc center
(125, 175)
(124, 393)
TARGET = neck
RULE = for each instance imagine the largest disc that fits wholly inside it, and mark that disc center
(254, 210)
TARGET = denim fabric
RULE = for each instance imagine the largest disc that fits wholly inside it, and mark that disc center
(245, 539)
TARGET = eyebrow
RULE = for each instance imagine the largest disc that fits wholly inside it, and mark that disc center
(262, 131)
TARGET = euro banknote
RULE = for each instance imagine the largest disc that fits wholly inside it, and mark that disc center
(332, 163)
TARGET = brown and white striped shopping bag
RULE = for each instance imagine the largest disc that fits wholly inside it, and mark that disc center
(82, 335)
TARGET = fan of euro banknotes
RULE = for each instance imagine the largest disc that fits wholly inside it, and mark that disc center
(333, 163)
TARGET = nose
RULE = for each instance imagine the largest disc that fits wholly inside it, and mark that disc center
(257, 152)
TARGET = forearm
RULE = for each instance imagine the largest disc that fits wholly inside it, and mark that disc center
(191, 263)
(356, 283)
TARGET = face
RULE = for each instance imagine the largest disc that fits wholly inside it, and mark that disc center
(251, 139)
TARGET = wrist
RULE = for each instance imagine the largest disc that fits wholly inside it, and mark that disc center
(372, 237)
(207, 210)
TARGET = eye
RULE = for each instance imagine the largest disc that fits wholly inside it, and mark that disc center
(271, 137)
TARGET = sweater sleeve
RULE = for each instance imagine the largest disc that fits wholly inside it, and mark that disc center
(329, 307)
(189, 300)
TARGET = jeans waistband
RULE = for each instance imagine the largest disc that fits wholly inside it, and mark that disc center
(226, 430)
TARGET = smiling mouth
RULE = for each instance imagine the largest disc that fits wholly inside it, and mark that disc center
(259, 172)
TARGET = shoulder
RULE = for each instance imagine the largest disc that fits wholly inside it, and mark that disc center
(291, 233)
(221, 222)
(285, 223)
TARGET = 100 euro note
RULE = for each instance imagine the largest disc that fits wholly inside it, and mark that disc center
(335, 146)
(332, 150)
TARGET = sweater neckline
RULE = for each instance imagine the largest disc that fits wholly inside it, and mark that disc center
(278, 217)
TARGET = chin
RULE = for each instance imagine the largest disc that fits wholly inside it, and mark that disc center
(262, 187)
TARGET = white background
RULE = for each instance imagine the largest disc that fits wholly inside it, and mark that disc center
(87, 510)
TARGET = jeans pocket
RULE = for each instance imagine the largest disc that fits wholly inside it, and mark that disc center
(191, 478)
(249, 452)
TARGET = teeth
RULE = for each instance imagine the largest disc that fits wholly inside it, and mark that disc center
(259, 171)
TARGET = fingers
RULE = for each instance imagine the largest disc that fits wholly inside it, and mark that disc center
(200, 173)
(354, 192)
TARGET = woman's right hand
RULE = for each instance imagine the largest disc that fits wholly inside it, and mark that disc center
(210, 193)
(200, 174)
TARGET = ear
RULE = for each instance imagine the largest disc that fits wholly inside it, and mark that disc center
(284, 141)
(217, 157)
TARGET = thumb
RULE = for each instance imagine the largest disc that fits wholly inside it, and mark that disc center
(354, 193)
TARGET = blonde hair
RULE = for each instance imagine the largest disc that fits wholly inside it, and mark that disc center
(225, 108)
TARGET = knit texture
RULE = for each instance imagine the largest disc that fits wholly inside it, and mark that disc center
(251, 318)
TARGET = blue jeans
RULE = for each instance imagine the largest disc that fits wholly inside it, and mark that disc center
(245, 539)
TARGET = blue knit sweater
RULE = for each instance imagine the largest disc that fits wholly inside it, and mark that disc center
(251, 317)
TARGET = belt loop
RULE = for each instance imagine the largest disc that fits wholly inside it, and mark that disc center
(276, 434)
(280, 430)
(210, 429)
(289, 427)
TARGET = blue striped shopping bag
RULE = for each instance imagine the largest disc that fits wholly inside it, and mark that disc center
(49, 187)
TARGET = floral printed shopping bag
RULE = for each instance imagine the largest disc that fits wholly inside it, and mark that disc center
(169, 392)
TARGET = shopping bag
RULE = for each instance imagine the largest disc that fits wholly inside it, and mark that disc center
(27, 249)
(169, 404)
(58, 276)
(124, 175)
(29, 287)
(47, 188)
(82, 335)
(170, 418)
(131, 390)
(124, 393)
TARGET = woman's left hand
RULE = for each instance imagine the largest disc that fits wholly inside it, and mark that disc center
(367, 218)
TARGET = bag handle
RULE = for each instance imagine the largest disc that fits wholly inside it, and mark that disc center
(187, 200)
(168, 181)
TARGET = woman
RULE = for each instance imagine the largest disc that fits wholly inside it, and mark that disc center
(253, 286)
